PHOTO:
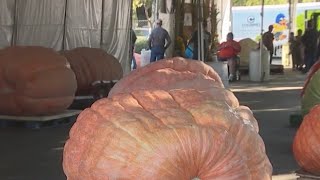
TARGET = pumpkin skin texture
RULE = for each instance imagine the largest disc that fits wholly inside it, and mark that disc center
(306, 142)
(172, 73)
(34, 81)
(176, 73)
(90, 65)
(246, 115)
(156, 134)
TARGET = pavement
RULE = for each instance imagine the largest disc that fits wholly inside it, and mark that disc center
(27, 154)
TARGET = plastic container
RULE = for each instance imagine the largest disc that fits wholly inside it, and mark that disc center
(221, 67)
(259, 70)
(145, 57)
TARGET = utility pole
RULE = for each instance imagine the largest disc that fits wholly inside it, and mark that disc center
(200, 30)
(261, 41)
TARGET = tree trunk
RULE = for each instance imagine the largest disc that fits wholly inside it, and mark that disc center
(146, 11)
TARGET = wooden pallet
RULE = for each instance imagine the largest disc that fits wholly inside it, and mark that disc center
(303, 175)
(36, 122)
(82, 102)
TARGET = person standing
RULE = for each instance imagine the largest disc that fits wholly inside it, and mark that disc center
(133, 42)
(267, 40)
(159, 40)
(207, 42)
(300, 50)
(309, 40)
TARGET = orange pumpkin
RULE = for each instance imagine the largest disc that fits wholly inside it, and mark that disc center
(156, 134)
(176, 73)
(90, 65)
(34, 81)
(305, 146)
(173, 73)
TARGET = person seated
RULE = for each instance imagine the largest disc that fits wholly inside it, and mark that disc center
(228, 51)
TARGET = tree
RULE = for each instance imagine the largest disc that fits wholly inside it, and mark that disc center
(147, 4)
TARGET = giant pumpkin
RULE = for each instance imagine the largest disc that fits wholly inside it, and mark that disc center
(91, 65)
(173, 73)
(176, 73)
(157, 134)
(34, 81)
(306, 148)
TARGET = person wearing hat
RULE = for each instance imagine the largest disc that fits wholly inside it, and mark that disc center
(159, 40)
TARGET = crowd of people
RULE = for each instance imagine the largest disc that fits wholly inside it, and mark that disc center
(304, 47)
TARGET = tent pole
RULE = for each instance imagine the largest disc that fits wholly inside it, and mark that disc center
(261, 42)
(202, 30)
(102, 24)
(15, 25)
(65, 25)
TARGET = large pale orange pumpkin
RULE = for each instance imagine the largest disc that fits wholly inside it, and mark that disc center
(92, 64)
(155, 134)
(172, 73)
(176, 73)
(306, 148)
(34, 81)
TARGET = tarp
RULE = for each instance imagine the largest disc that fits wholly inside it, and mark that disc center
(40, 22)
(6, 22)
(83, 23)
(224, 17)
(67, 24)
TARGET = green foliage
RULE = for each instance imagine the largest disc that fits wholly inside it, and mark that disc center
(258, 37)
(300, 21)
(141, 43)
(258, 2)
(139, 3)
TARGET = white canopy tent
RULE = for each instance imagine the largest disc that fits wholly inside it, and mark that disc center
(67, 24)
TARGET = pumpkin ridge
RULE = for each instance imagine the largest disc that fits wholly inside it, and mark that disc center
(193, 117)
(86, 62)
(139, 102)
(74, 135)
(118, 124)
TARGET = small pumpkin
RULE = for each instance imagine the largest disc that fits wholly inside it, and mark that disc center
(34, 81)
(91, 65)
(306, 142)
(157, 134)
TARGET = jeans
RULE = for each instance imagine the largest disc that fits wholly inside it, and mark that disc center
(309, 60)
(134, 62)
(157, 53)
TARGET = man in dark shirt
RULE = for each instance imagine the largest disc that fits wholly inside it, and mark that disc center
(309, 40)
(159, 41)
(267, 39)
